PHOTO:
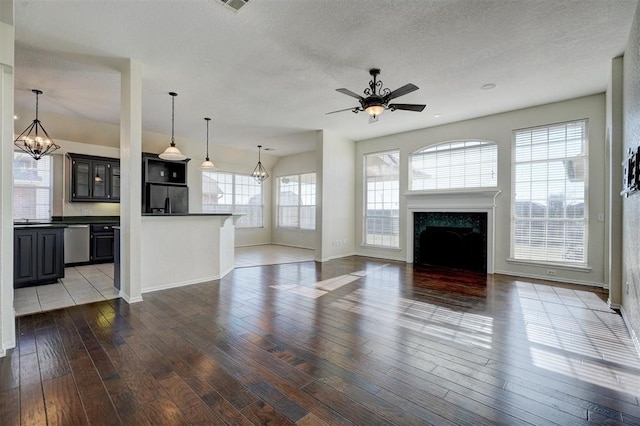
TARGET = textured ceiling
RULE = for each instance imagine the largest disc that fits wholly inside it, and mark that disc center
(268, 73)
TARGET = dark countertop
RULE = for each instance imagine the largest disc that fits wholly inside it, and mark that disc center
(85, 219)
(25, 225)
(65, 221)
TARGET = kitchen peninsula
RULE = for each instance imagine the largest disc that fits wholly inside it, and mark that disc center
(187, 248)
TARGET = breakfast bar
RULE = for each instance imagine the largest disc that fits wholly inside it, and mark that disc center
(183, 249)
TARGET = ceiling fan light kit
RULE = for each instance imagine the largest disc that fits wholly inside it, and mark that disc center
(377, 98)
(172, 153)
(35, 140)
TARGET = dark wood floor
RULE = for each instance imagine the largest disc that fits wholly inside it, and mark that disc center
(351, 341)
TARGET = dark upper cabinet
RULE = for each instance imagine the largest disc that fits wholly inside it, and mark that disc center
(94, 179)
(164, 185)
(114, 182)
(38, 256)
(157, 170)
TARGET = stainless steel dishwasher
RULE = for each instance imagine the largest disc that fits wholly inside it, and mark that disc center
(76, 244)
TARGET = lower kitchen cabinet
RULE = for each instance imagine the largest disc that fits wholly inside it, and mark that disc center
(102, 242)
(38, 256)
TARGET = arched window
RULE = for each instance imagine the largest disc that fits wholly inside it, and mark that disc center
(454, 165)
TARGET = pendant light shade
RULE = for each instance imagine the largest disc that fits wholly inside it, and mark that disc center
(35, 140)
(207, 164)
(260, 173)
(172, 153)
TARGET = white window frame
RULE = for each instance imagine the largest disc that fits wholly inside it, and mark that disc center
(389, 192)
(575, 169)
(18, 159)
(234, 207)
(455, 165)
(298, 206)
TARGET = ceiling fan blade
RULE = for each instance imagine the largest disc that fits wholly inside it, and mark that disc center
(349, 93)
(342, 110)
(407, 107)
(401, 91)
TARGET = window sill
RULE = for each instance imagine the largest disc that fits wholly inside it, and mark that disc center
(563, 266)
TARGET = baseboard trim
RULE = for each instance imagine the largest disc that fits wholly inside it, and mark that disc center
(181, 284)
(632, 332)
(548, 278)
(130, 299)
(340, 256)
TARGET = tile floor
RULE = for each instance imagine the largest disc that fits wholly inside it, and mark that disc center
(92, 283)
(81, 284)
(271, 254)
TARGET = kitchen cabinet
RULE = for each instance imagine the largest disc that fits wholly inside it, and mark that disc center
(94, 179)
(164, 180)
(38, 256)
(102, 242)
(157, 170)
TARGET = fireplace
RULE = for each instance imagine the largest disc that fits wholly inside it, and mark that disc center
(453, 229)
(451, 239)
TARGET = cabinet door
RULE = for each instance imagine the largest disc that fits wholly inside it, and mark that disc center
(102, 247)
(100, 180)
(50, 254)
(114, 182)
(81, 180)
(25, 255)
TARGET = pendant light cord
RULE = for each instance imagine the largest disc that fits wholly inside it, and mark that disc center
(173, 102)
(208, 119)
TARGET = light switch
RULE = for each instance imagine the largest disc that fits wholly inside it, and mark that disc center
(600, 217)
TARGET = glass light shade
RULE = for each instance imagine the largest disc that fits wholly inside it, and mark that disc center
(374, 110)
(172, 153)
(207, 165)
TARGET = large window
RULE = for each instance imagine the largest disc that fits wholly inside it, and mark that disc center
(454, 165)
(32, 187)
(382, 199)
(549, 214)
(233, 193)
(297, 201)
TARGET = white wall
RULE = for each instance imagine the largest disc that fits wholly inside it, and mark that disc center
(499, 128)
(631, 205)
(291, 165)
(336, 157)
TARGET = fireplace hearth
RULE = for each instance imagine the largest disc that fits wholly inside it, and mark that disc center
(451, 239)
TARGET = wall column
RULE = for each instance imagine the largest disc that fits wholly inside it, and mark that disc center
(131, 174)
(7, 314)
(615, 146)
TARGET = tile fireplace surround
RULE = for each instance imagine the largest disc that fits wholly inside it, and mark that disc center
(453, 202)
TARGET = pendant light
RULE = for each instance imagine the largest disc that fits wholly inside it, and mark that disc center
(260, 173)
(206, 164)
(172, 153)
(35, 140)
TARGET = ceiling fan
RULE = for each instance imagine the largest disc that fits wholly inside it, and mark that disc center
(377, 98)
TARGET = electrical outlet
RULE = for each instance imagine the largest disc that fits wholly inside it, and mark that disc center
(86, 212)
(600, 217)
(627, 287)
(551, 272)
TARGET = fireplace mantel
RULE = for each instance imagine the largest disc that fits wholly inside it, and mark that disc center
(453, 201)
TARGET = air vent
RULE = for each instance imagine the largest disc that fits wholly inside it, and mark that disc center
(234, 5)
